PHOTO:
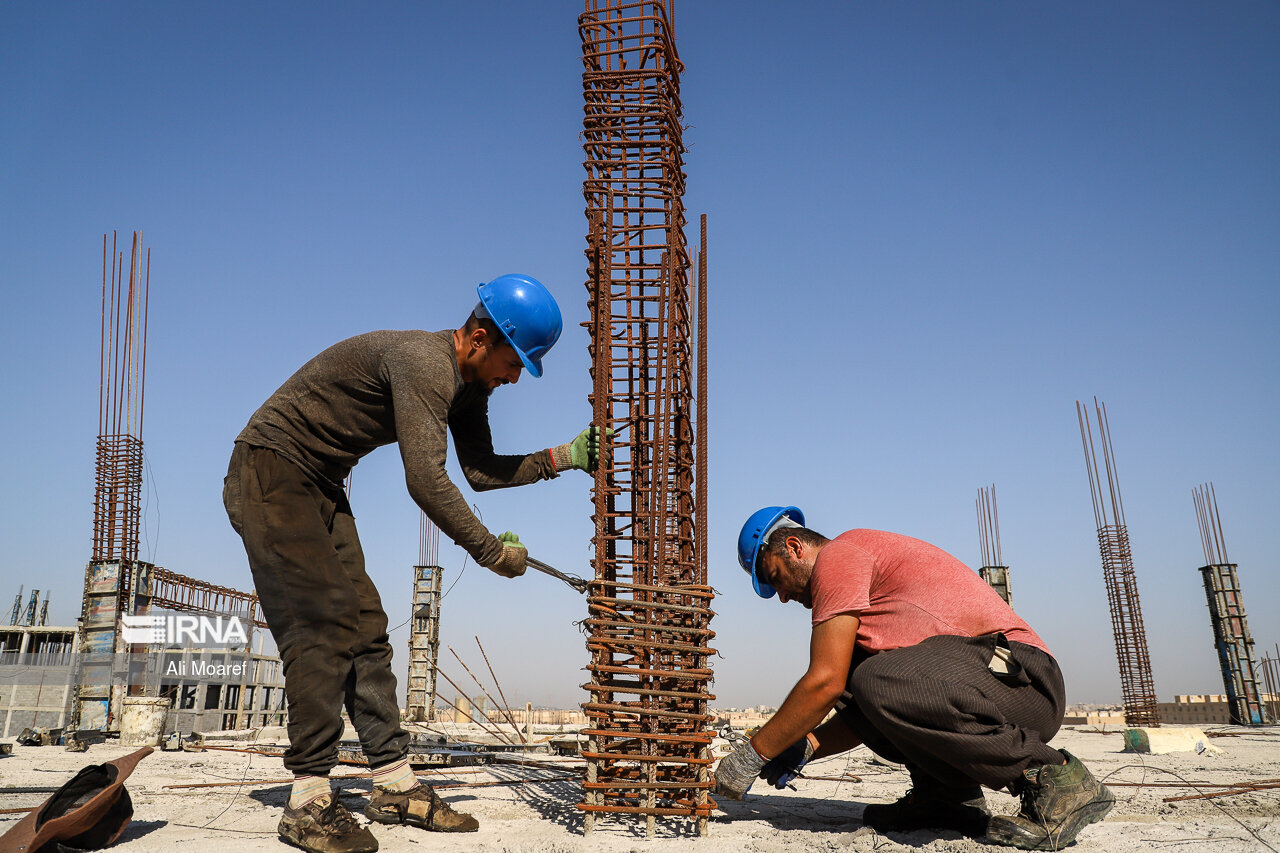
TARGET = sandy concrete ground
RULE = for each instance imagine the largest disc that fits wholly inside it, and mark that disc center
(819, 815)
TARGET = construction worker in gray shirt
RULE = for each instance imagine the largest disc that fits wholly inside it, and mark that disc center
(283, 493)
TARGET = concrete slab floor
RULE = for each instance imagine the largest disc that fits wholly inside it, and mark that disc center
(819, 815)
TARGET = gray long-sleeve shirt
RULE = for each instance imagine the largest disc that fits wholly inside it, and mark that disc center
(396, 386)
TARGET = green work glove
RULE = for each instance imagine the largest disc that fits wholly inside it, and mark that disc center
(583, 452)
(513, 559)
(737, 771)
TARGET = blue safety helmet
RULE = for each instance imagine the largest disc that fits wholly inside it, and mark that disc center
(527, 314)
(749, 541)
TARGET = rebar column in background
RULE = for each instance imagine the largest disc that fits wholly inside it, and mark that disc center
(993, 570)
(1137, 686)
(112, 578)
(648, 750)
(1226, 613)
(122, 375)
(424, 635)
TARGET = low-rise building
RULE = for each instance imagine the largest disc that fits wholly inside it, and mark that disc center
(1200, 708)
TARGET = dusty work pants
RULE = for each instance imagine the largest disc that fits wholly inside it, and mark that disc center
(323, 610)
(938, 708)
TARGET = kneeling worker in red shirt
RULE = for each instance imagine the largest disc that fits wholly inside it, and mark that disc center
(926, 665)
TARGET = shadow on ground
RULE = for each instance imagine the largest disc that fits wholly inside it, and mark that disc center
(820, 815)
(136, 829)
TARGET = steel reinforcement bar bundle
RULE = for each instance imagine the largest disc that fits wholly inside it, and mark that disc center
(122, 372)
(648, 751)
(1137, 684)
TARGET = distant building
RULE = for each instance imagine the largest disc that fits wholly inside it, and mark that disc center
(36, 663)
(1199, 708)
(1185, 710)
(1094, 715)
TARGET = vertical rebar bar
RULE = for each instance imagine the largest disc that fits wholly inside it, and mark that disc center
(993, 569)
(121, 394)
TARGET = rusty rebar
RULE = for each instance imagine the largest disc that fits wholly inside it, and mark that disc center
(1137, 684)
(648, 628)
(118, 463)
(497, 734)
(498, 684)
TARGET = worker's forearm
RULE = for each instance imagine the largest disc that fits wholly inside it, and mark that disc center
(809, 701)
(485, 472)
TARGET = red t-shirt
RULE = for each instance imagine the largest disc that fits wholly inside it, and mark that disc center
(904, 590)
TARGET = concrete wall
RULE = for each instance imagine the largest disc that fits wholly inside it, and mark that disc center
(35, 677)
(44, 705)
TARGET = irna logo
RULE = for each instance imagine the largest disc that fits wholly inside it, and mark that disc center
(178, 628)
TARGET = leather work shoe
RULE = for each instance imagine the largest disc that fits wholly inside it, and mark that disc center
(325, 826)
(930, 807)
(1057, 802)
(418, 806)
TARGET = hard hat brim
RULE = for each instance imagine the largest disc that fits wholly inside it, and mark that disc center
(534, 366)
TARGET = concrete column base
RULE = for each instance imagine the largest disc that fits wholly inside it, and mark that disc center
(1168, 739)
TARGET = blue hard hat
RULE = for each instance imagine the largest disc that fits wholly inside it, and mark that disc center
(526, 313)
(749, 541)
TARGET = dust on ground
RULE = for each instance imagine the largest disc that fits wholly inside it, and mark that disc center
(819, 815)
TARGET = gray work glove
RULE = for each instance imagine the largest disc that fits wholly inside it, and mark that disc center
(779, 771)
(737, 771)
(583, 452)
(512, 561)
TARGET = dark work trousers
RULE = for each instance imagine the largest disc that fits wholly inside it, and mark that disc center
(323, 610)
(937, 708)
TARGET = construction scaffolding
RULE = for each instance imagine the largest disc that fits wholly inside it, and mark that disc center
(648, 748)
(993, 570)
(424, 635)
(1226, 613)
(1137, 686)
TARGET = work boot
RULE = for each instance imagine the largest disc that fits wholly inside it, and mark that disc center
(325, 826)
(931, 805)
(418, 806)
(1057, 802)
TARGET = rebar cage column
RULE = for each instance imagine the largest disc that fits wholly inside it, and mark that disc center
(648, 750)
(1231, 635)
(1137, 685)
(424, 634)
(111, 577)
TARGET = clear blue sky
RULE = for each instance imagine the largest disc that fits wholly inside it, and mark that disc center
(933, 227)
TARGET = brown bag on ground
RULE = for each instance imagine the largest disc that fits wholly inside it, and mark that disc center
(87, 813)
